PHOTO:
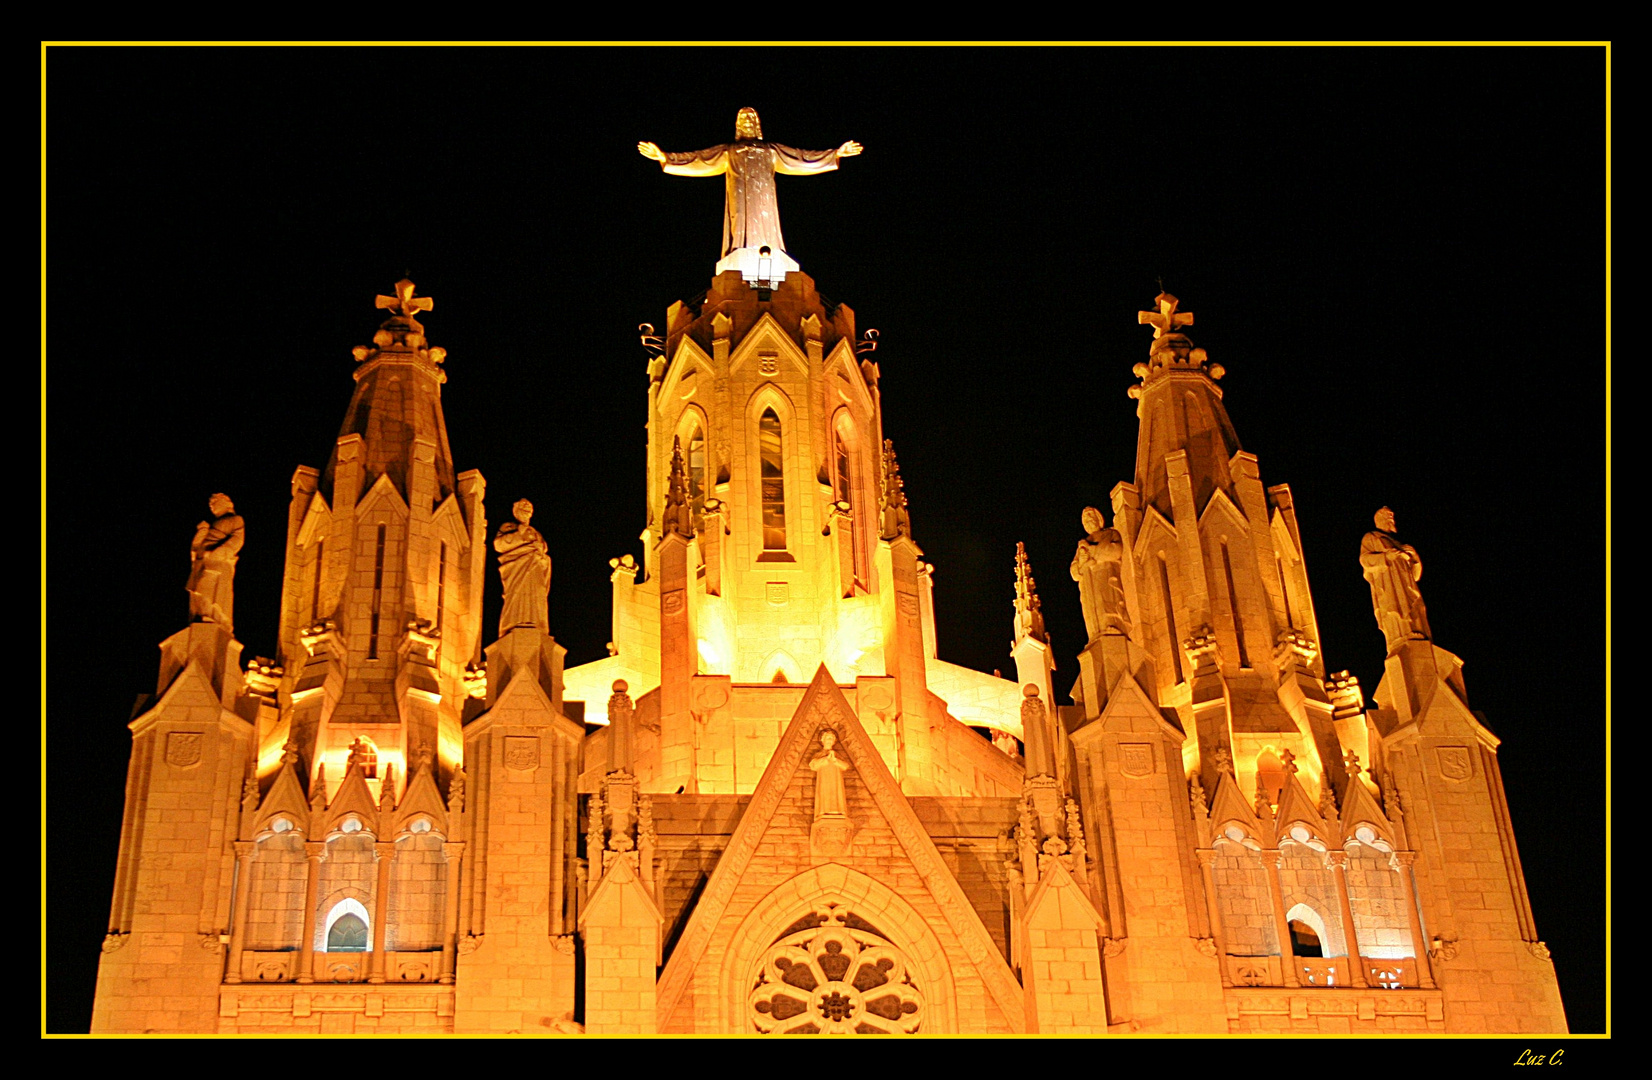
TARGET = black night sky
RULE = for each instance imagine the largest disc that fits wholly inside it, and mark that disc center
(1397, 254)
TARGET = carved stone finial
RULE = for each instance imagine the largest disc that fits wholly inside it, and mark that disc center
(678, 517)
(1288, 759)
(1167, 320)
(387, 789)
(318, 791)
(456, 791)
(249, 792)
(1264, 805)
(289, 753)
(896, 520)
(622, 731)
(1350, 762)
(1223, 760)
(1029, 610)
(1196, 793)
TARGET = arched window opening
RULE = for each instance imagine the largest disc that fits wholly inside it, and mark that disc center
(1270, 775)
(694, 457)
(773, 479)
(347, 929)
(1305, 940)
(366, 755)
(843, 491)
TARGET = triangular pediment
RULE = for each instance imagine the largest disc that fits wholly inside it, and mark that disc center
(523, 702)
(285, 798)
(1360, 810)
(1228, 808)
(190, 689)
(382, 495)
(422, 799)
(1155, 530)
(824, 707)
(1222, 506)
(353, 798)
(449, 521)
(1130, 710)
(316, 517)
(620, 899)
(1059, 902)
(767, 336)
(1297, 811)
(849, 383)
(690, 357)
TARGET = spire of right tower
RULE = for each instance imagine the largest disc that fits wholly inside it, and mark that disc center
(1180, 408)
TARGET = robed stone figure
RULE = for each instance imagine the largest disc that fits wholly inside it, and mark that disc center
(1098, 567)
(831, 800)
(751, 217)
(1393, 569)
(525, 569)
(212, 557)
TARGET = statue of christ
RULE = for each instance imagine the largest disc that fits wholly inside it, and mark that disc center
(751, 217)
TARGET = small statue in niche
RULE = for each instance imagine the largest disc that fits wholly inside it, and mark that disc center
(1393, 570)
(212, 557)
(831, 800)
(1098, 567)
(525, 569)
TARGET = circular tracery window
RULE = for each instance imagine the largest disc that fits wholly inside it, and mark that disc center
(840, 977)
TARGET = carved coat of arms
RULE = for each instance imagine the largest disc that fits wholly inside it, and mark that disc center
(521, 752)
(183, 748)
(1455, 763)
(1136, 759)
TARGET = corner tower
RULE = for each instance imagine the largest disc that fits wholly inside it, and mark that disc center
(381, 600)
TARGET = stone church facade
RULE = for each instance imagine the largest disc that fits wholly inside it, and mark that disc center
(774, 808)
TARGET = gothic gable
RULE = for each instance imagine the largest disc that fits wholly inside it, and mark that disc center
(873, 864)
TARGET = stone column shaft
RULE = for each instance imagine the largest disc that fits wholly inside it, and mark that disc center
(1339, 871)
(450, 909)
(1408, 893)
(1213, 903)
(245, 850)
(1287, 955)
(384, 853)
(314, 852)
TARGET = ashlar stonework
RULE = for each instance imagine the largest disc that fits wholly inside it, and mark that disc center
(771, 809)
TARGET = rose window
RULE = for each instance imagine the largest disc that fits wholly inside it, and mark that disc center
(835, 976)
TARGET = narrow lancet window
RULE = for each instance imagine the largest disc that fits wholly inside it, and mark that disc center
(315, 587)
(774, 482)
(378, 595)
(441, 585)
(1170, 617)
(843, 491)
(696, 461)
(1233, 607)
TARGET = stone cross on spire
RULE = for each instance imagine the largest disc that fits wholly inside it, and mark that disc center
(1166, 320)
(404, 303)
(1029, 610)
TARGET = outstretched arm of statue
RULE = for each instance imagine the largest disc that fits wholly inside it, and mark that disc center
(708, 162)
(849, 149)
(789, 159)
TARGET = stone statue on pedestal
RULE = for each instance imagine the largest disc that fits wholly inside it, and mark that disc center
(1393, 570)
(1098, 567)
(831, 801)
(751, 216)
(212, 558)
(525, 569)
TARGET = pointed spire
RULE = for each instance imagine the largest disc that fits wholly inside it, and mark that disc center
(677, 517)
(896, 521)
(318, 791)
(1029, 610)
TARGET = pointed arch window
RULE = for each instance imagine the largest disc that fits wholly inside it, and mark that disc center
(347, 927)
(694, 457)
(843, 491)
(773, 479)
